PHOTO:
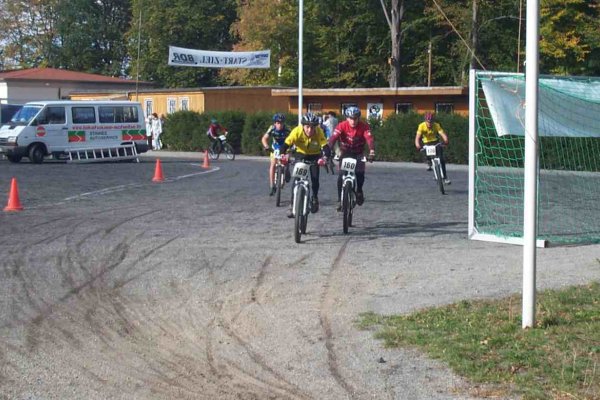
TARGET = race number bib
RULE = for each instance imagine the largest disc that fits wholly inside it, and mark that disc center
(222, 137)
(348, 164)
(430, 151)
(301, 170)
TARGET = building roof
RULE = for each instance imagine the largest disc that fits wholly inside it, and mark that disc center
(53, 74)
(401, 91)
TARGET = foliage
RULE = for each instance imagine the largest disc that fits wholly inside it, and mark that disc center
(196, 24)
(186, 130)
(482, 341)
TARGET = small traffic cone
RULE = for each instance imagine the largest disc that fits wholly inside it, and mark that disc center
(14, 204)
(206, 160)
(158, 174)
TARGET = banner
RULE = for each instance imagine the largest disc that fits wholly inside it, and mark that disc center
(179, 56)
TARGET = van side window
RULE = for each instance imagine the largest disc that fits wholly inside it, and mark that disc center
(83, 115)
(55, 115)
(112, 114)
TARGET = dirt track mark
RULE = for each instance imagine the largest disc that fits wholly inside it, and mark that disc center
(259, 279)
(325, 310)
(254, 384)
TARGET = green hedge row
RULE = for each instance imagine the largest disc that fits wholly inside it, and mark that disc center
(394, 138)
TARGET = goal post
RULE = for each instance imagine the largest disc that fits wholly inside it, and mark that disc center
(569, 158)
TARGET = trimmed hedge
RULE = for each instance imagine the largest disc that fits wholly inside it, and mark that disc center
(394, 138)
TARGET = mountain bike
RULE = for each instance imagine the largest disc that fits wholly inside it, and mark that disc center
(348, 196)
(434, 153)
(219, 146)
(302, 195)
(281, 172)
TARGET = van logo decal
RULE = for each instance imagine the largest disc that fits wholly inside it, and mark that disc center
(76, 136)
(133, 134)
(40, 131)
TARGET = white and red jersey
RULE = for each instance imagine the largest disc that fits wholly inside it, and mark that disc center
(352, 140)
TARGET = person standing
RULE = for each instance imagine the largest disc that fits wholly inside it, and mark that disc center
(149, 131)
(156, 131)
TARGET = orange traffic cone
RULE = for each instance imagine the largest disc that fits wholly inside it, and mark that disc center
(158, 174)
(14, 204)
(206, 160)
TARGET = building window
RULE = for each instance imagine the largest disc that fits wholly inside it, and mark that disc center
(184, 103)
(345, 106)
(83, 115)
(171, 105)
(444, 107)
(403, 108)
(314, 108)
(148, 106)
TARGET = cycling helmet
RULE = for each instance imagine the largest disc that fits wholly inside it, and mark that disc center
(428, 117)
(310, 119)
(278, 117)
(213, 120)
(352, 112)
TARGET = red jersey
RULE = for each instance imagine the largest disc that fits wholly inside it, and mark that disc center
(352, 140)
(214, 129)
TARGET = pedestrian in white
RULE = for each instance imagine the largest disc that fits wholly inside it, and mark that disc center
(156, 131)
(149, 130)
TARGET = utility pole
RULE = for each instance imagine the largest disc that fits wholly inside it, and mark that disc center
(429, 66)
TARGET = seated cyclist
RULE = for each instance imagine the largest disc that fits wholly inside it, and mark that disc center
(311, 144)
(277, 133)
(352, 135)
(213, 132)
(430, 132)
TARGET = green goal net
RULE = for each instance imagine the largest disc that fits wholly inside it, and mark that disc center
(569, 158)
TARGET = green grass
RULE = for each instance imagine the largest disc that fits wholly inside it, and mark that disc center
(484, 342)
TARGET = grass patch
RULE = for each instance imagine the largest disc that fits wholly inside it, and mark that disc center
(484, 342)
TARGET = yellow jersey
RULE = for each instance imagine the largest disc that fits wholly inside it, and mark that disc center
(304, 144)
(429, 135)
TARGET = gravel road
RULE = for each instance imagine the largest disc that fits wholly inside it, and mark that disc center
(114, 287)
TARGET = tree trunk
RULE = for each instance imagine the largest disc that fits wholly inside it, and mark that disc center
(474, 37)
(395, 27)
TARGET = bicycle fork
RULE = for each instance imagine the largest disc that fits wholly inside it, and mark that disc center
(306, 198)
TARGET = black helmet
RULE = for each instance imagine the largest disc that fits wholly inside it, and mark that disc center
(310, 119)
(352, 112)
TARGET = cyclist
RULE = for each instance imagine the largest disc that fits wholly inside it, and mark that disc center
(430, 132)
(352, 135)
(277, 132)
(311, 144)
(214, 129)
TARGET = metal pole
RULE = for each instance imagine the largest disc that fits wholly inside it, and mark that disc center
(429, 67)
(300, 65)
(137, 73)
(531, 163)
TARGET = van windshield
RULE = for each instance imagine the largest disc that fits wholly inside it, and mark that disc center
(25, 115)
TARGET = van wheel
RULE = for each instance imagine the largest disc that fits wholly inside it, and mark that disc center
(36, 154)
(14, 158)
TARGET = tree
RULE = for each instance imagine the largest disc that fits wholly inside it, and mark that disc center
(196, 24)
(90, 35)
(394, 19)
(570, 37)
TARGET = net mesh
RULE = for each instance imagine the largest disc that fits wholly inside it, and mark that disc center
(569, 155)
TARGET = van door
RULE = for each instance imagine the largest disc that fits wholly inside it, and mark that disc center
(51, 128)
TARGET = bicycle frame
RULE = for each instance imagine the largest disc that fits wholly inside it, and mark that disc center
(433, 153)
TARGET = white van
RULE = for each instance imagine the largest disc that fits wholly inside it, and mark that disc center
(44, 128)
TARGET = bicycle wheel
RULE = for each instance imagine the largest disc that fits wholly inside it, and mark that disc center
(228, 151)
(346, 206)
(438, 175)
(352, 202)
(213, 152)
(304, 220)
(278, 185)
(298, 210)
